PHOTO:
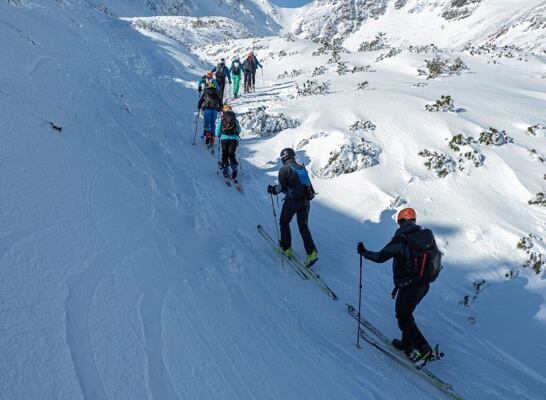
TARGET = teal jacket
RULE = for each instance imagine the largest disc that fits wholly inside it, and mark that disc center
(224, 136)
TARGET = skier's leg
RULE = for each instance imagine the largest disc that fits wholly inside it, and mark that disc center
(225, 155)
(287, 213)
(232, 159)
(236, 84)
(408, 298)
(302, 218)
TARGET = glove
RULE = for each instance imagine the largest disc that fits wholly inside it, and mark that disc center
(271, 189)
(360, 249)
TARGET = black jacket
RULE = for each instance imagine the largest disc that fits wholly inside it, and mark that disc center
(288, 181)
(249, 65)
(399, 251)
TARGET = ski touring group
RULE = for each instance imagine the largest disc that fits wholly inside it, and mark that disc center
(416, 259)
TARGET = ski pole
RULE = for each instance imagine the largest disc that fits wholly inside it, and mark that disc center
(275, 219)
(218, 162)
(196, 120)
(359, 304)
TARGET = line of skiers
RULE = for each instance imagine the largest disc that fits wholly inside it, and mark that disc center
(415, 255)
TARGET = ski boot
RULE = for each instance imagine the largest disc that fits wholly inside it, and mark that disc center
(288, 253)
(311, 259)
(421, 357)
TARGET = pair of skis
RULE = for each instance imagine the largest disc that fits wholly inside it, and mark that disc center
(298, 266)
(378, 340)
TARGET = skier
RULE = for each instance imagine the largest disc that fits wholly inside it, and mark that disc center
(210, 103)
(201, 83)
(409, 290)
(228, 130)
(236, 72)
(222, 73)
(255, 68)
(294, 182)
(249, 66)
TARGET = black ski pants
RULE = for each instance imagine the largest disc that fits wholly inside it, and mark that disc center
(301, 209)
(222, 84)
(248, 81)
(253, 79)
(406, 301)
(229, 147)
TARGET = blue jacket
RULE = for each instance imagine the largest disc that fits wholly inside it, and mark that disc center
(224, 136)
(258, 65)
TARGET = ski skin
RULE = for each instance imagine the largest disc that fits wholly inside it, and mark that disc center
(308, 273)
(396, 355)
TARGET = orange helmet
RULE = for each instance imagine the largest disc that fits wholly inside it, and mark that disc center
(227, 107)
(209, 74)
(406, 214)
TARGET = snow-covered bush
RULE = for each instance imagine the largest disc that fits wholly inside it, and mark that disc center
(349, 158)
(495, 137)
(391, 53)
(305, 142)
(479, 286)
(282, 54)
(294, 73)
(289, 37)
(319, 71)
(362, 126)
(536, 156)
(494, 51)
(380, 42)
(535, 258)
(361, 68)
(439, 66)
(362, 85)
(468, 155)
(312, 87)
(259, 122)
(342, 68)
(444, 104)
(540, 200)
(533, 130)
(428, 48)
(441, 163)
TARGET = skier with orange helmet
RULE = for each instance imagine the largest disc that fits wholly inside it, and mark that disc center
(416, 263)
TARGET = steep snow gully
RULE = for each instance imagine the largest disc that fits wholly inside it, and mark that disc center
(129, 270)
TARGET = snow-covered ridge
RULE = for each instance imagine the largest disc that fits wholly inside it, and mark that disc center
(448, 23)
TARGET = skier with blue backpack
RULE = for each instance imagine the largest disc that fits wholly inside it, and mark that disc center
(210, 103)
(416, 263)
(228, 130)
(294, 182)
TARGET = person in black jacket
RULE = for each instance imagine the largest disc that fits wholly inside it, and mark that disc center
(294, 182)
(409, 293)
(249, 66)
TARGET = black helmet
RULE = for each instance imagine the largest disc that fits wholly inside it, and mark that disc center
(287, 154)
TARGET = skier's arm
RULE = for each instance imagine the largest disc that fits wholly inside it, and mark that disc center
(228, 74)
(389, 251)
(237, 127)
(200, 102)
(258, 65)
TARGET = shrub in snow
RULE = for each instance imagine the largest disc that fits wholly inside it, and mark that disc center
(305, 142)
(441, 163)
(362, 85)
(535, 258)
(540, 200)
(479, 286)
(319, 71)
(536, 156)
(349, 158)
(258, 121)
(312, 87)
(442, 67)
(420, 84)
(362, 68)
(445, 104)
(294, 73)
(282, 54)
(362, 126)
(342, 68)
(428, 48)
(493, 136)
(289, 37)
(533, 130)
(494, 51)
(468, 155)
(391, 53)
(380, 42)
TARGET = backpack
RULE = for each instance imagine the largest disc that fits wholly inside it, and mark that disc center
(303, 189)
(220, 73)
(425, 262)
(229, 123)
(211, 97)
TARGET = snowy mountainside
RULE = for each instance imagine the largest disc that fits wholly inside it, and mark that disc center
(450, 23)
(193, 31)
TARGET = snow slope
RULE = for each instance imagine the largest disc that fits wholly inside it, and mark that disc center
(130, 271)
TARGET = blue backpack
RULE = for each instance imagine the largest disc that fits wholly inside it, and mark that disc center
(303, 189)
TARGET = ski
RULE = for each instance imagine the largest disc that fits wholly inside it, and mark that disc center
(298, 265)
(383, 344)
(290, 262)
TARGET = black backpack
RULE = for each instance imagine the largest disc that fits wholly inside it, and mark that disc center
(229, 123)
(425, 262)
(220, 73)
(211, 98)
